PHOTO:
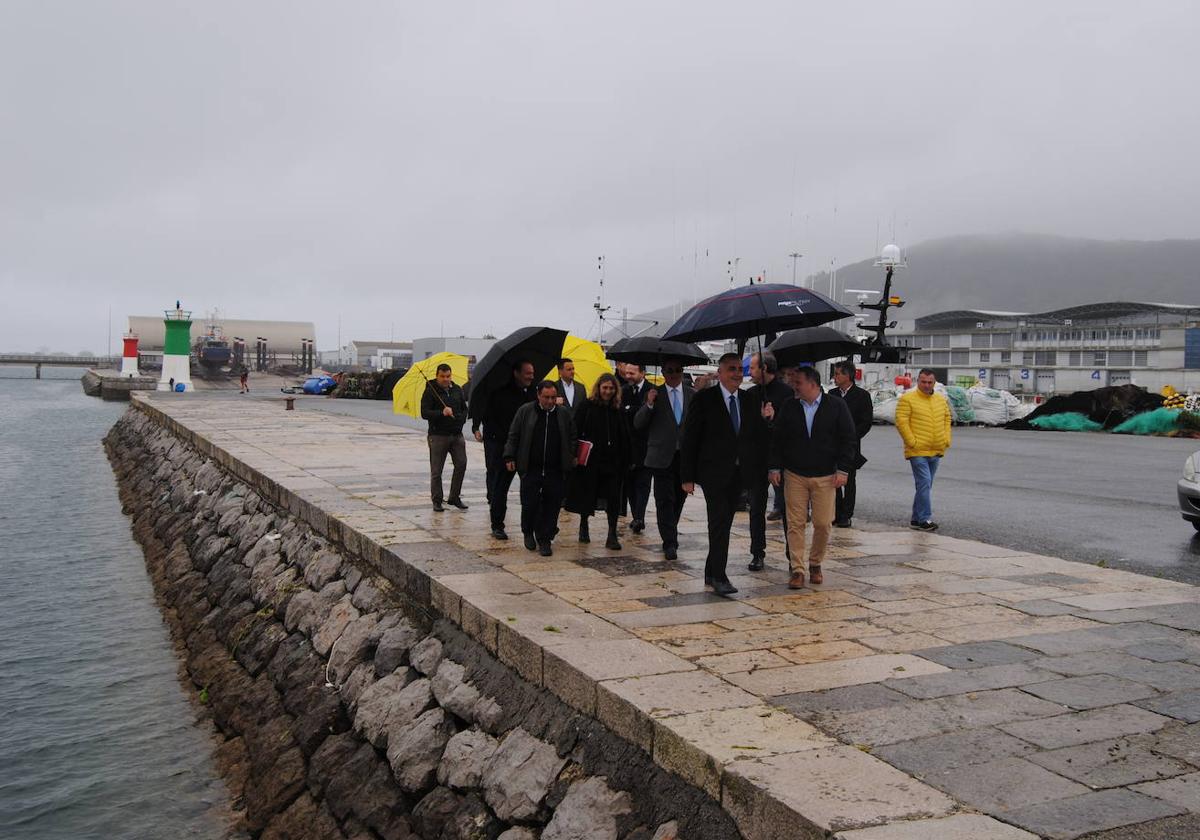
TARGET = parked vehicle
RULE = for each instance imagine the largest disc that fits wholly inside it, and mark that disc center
(1189, 490)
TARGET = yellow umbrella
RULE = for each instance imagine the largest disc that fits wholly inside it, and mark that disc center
(408, 390)
(589, 360)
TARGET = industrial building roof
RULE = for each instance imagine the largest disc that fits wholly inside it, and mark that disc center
(1087, 311)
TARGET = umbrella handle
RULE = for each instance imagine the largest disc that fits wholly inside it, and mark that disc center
(435, 393)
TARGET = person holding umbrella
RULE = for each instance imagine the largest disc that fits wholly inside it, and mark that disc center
(862, 411)
(812, 451)
(638, 481)
(540, 447)
(599, 475)
(501, 410)
(764, 370)
(724, 446)
(445, 409)
(660, 419)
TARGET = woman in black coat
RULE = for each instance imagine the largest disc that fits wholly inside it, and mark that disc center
(599, 482)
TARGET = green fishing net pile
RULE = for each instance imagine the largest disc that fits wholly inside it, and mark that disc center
(960, 404)
(1070, 421)
(1160, 421)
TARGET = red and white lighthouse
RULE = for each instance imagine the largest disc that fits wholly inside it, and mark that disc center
(129, 356)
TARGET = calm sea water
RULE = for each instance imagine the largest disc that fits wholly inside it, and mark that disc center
(97, 739)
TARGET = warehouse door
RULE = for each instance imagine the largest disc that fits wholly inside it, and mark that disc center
(1000, 379)
(1119, 377)
(1045, 382)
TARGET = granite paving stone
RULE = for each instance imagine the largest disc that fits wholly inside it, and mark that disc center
(1004, 784)
(852, 698)
(1085, 727)
(928, 758)
(821, 675)
(1160, 651)
(977, 654)
(974, 679)
(920, 718)
(1177, 740)
(1183, 705)
(1183, 791)
(1106, 764)
(1065, 819)
(842, 788)
(957, 827)
(1091, 692)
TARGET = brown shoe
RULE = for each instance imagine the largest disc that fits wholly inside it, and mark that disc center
(814, 575)
(796, 581)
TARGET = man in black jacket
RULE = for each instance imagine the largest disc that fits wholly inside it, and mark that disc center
(862, 412)
(501, 408)
(570, 392)
(812, 451)
(540, 447)
(660, 419)
(445, 409)
(724, 443)
(764, 370)
(637, 483)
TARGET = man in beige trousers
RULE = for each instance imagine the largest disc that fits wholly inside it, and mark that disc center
(813, 445)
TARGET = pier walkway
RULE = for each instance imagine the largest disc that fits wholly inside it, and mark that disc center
(933, 687)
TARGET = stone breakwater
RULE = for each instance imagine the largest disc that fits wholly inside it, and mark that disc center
(344, 708)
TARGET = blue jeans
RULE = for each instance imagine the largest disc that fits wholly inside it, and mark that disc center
(923, 470)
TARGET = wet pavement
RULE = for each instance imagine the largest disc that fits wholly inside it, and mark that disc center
(934, 686)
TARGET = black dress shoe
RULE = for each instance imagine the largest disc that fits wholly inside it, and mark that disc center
(723, 587)
(775, 516)
(437, 507)
(498, 534)
(531, 542)
(841, 523)
(707, 581)
(671, 553)
(637, 526)
(458, 503)
(757, 564)
(545, 550)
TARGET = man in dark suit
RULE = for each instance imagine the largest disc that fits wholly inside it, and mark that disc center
(812, 450)
(637, 486)
(724, 445)
(570, 392)
(660, 420)
(501, 408)
(764, 370)
(862, 412)
(540, 447)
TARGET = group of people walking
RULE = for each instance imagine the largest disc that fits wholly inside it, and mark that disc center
(601, 453)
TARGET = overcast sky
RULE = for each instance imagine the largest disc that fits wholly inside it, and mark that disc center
(408, 166)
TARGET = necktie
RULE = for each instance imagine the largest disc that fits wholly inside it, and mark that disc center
(676, 407)
(733, 413)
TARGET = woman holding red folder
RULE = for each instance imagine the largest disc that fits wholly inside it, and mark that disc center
(605, 456)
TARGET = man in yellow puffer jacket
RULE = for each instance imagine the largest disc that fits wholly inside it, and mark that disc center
(923, 420)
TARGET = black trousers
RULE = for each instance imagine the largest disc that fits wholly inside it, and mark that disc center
(844, 505)
(668, 502)
(499, 480)
(638, 483)
(758, 515)
(541, 498)
(721, 501)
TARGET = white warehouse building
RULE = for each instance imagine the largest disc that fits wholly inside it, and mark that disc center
(1073, 349)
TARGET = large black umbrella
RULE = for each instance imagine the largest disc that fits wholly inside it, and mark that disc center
(812, 344)
(744, 312)
(542, 346)
(651, 350)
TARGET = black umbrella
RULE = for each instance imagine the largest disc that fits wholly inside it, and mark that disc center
(744, 312)
(812, 344)
(542, 346)
(650, 350)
